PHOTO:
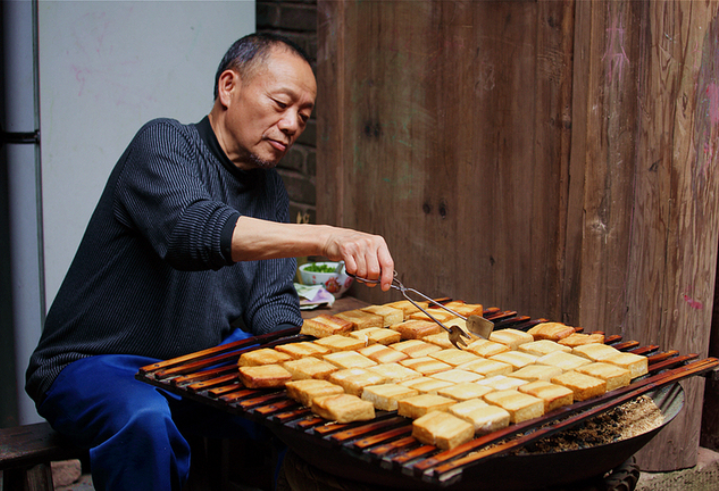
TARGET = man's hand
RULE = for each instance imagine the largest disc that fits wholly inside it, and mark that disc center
(365, 255)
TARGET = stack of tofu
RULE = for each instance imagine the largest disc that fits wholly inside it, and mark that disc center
(391, 357)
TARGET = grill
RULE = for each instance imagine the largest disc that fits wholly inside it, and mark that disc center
(383, 451)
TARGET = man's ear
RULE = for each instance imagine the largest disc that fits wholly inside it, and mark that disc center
(227, 84)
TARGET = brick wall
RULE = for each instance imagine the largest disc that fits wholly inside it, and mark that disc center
(297, 20)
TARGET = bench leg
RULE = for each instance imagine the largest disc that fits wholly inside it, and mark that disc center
(37, 478)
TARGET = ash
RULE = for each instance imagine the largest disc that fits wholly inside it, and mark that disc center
(620, 423)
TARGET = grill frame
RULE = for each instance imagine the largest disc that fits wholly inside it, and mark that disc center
(210, 377)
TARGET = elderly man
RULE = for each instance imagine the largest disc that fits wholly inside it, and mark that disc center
(189, 247)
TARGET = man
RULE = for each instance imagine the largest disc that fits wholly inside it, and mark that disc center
(189, 239)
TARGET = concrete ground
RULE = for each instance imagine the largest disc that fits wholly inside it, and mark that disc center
(702, 477)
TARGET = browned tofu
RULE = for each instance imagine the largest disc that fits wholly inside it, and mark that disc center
(584, 386)
(382, 354)
(309, 367)
(565, 361)
(416, 328)
(488, 368)
(354, 380)
(521, 407)
(454, 357)
(511, 337)
(484, 418)
(553, 331)
(416, 348)
(419, 405)
(304, 391)
(343, 408)
(407, 307)
(553, 395)
(325, 325)
(636, 364)
(465, 392)
(264, 376)
(349, 359)
(485, 348)
(394, 372)
(532, 373)
(425, 365)
(361, 319)
(340, 343)
(262, 356)
(442, 430)
(377, 335)
(614, 376)
(515, 358)
(302, 349)
(543, 347)
(390, 315)
(386, 397)
(595, 352)
(578, 339)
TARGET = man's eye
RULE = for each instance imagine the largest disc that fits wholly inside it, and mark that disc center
(280, 104)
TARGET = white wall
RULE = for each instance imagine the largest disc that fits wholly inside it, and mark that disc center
(106, 68)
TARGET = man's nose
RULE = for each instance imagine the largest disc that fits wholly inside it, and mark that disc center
(289, 124)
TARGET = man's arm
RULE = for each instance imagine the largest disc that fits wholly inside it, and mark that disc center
(365, 255)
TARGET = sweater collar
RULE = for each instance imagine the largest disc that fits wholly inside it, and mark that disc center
(208, 136)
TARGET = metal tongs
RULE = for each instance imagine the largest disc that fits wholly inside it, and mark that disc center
(475, 324)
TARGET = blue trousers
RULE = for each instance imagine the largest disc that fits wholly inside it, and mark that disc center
(133, 430)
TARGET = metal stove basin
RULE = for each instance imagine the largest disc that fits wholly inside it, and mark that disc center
(503, 473)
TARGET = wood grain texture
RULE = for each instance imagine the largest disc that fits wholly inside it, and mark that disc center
(555, 158)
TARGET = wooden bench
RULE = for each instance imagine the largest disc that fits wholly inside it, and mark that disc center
(26, 453)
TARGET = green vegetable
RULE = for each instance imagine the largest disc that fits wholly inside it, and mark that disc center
(320, 268)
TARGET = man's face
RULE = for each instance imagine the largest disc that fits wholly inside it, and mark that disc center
(269, 111)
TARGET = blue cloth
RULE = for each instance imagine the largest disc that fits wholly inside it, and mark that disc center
(133, 430)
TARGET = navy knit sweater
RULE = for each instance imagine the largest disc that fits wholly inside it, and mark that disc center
(153, 275)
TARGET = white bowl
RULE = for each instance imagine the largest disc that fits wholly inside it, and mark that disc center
(335, 283)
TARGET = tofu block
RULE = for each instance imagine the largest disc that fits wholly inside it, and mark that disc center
(584, 386)
(426, 385)
(425, 365)
(488, 368)
(262, 356)
(502, 382)
(543, 347)
(521, 407)
(440, 314)
(485, 348)
(386, 397)
(553, 331)
(379, 335)
(302, 349)
(309, 367)
(304, 391)
(340, 343)
(565, 361)
(553, 395)
(361, 319)
(407, 307)
(454, 357)
(636, 364)
(532, 373)
(513, 338)
(264, 376)
(484, 418)
(515, 358)
(595, 351)
(390, 315)
(382, 354)
(343, 408)
(416, 348)
(419, 405)
(354, 380)
(578, 339)
(465, 392)
(614, 376)
(416, 328)
(394, 372)
(325, 325)
(487, 419)
(440, 339)
(465, 309)
(349, 359)
(442, 430)
(457, 376)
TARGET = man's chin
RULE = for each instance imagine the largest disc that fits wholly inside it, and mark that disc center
(261, 163)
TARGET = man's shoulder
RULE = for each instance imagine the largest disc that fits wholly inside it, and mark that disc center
(168, 123)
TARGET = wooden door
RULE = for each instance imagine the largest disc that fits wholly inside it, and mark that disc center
(556, 158)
